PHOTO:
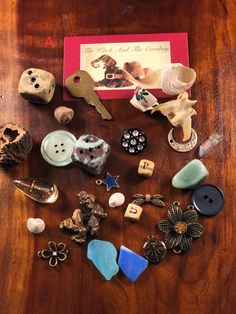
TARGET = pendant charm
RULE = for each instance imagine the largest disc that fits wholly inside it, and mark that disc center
(38, 190)
(110, 181)
(55, 253)
(154, 250)
(183, 147)
(180, 228)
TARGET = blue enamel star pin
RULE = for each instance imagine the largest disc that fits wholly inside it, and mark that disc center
(110, 181)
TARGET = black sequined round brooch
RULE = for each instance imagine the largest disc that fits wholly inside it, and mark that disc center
(134, 141)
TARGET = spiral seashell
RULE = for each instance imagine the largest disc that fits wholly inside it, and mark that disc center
(63, 114)
(176, 78)
(35, 225)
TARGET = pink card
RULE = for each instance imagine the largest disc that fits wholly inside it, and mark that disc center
(119, 63)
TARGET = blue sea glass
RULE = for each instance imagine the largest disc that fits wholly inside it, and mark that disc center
(131, 264)
(103, 255)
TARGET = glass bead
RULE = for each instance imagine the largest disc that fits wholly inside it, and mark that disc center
(135, 133)
(133, 142)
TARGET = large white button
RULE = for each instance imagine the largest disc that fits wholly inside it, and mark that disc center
(57, 148)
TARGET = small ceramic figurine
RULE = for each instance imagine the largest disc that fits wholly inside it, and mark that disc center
(179, 112)
(37, 86)
(15, 143)
(176, 78)
(143, 100)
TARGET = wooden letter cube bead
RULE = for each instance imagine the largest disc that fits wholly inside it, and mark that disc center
(133, 212)
(146, 168)
(37, 86)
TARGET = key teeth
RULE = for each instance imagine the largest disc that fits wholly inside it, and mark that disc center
(106, 117)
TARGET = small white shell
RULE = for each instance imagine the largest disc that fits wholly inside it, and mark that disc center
(176, 78)
(116, 199)
(35, 225)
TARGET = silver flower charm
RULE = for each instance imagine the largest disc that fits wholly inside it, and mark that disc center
(56, 252)
(180, 228)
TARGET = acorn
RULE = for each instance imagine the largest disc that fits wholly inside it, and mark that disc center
(63, 114)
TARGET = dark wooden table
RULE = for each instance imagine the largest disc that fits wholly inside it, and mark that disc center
(201, 281)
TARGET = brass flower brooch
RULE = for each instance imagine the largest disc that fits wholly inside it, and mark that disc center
(180, 228)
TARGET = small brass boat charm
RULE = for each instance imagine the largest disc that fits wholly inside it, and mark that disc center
(38, 190)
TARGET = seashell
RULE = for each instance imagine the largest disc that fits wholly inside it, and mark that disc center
(15, 143)
(38, 190)
(176, 78)
(116, 199)
(63, 114)
(35, 225)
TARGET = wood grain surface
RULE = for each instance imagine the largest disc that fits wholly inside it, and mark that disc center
(201, 281)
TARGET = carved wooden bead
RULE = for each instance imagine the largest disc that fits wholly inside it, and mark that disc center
(133, 212)
(37, 86)
(63, 114)
(146, 168)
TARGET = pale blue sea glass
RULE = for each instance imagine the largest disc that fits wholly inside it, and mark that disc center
(103, 255)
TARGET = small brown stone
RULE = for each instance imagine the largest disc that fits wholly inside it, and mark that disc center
(63, 114)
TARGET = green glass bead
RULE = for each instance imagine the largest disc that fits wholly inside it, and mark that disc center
(190, 175)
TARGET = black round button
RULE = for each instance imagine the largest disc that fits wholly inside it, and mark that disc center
(208, 199)
(134, 141)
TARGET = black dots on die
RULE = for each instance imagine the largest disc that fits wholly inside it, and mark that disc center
(133, 141)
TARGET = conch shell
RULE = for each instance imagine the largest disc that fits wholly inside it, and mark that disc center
(176, 78)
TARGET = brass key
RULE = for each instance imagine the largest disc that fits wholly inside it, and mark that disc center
(80, 84)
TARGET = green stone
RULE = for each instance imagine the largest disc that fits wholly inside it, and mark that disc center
(190, 175)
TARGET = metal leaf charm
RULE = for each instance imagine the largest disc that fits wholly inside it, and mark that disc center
(154, 199)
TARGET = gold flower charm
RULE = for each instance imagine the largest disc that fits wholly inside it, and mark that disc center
(180, 228)
(56, 252)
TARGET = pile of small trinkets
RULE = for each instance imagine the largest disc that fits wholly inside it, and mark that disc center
(60, 148)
